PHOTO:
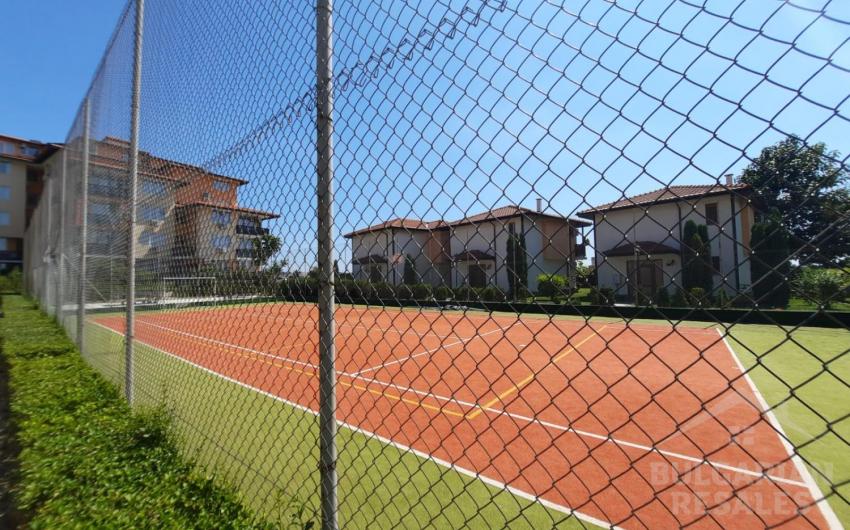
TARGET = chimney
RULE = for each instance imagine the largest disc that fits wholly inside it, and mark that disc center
(729, 179)
(539, 204)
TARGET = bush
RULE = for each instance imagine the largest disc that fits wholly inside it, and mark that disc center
(404, 291)
(11, 282)
(465, 293)
(489, 294)
(822, 286)
(87, 457)
(603, 296)
(723, 300)
(698, 296)
(384, 290)
(521, 293)
(662, 298)
(443, 292)
(679, 298)
(422, 291)
(552, 285)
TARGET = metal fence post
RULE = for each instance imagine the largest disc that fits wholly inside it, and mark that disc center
(134, 175)
(84, 221)
(46, 256)
(60, 245)
(324, 193)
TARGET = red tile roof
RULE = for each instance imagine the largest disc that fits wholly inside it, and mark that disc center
(472, 255)
(261, 213)
(643, 248)
(399, 222)
(503, 212)
(666, 194)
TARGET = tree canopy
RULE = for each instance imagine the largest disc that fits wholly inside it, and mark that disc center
(808, 186)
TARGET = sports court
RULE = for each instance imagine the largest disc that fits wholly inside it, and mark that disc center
(638, 425)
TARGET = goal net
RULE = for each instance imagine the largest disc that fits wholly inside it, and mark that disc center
(179, 289)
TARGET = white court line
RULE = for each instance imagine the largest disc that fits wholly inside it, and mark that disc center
(527, 419)
(356, 326)
(308, 365)
(814, 489)
(229, 345)
(426, 352)
(404, 448)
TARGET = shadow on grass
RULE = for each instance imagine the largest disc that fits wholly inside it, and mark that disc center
(10, 515)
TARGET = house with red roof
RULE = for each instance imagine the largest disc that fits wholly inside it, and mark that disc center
(469, 251)
(638, 246)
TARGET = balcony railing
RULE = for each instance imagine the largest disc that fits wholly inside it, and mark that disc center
(245, 253)
(10, 255)
(251, 230)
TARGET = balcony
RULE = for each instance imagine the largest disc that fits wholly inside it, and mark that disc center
(247, 230)
(247, 253)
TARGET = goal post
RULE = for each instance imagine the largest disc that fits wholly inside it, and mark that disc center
(188, 287)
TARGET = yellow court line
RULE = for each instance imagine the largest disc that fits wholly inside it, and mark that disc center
(381, 393)
(519, 386)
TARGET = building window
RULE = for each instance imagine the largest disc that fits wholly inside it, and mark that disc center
(5, 219)
(100, 212)
(221, 242)
(152, 239)
(220, 185)
(29, 150)
(152, 213)
(220, 218)
(711, 213)
(153, 188)
(5, 193)
(6, 148)
(715, 264)
(4, 244)
(5, 168)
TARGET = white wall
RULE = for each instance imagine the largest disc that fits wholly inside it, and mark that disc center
(660, 223)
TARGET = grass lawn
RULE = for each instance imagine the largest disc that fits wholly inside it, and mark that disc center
(805, 375)
(269, 451)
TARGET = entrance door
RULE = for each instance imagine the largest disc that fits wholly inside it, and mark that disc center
(477, 275)
(645, 278)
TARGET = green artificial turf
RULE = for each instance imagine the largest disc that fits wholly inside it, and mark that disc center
(804, 375)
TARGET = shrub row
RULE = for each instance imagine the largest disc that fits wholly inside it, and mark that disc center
(87, 460)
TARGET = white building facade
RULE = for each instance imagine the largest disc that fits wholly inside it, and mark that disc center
(637, 240)
(472, 251)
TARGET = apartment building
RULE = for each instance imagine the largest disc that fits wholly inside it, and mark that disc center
(21, 182)
(188, 219)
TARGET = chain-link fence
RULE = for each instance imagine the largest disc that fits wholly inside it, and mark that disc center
(473, 263)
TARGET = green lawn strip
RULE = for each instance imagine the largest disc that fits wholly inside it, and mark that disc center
(814, 364)
(86, 460)
(269, 450)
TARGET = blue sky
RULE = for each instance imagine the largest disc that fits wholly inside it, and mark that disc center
(450, 107)
(50, 51)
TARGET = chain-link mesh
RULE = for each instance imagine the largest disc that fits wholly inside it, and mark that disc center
(590, 259)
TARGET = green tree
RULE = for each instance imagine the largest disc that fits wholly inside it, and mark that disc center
(517, 265)
(409, 275)
(265, 247)
(584, 275)
(809, 187)
(769, 261)
(696, 269)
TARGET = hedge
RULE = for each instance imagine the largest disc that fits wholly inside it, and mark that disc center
(87, 460)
